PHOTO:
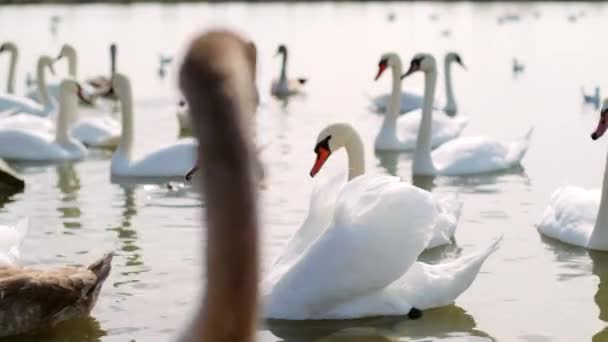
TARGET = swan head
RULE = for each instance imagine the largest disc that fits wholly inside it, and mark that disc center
(330, 139)
(454, 57)
(8, 46)
(67, 51)
(387, 60)
(602, 125)
(424, 62)
(46, 61)
(281, 50)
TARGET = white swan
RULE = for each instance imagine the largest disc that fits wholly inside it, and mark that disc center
(342, 135)
(19, 144)
(170, 161)
(11, 238)
(400, 133)
(22, 104)
(408, 101)
(578, 216)
(363, 262)
(284, 86)
(462, 156)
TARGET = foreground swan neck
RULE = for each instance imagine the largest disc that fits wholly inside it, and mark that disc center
(355, 154)
(67, 113)
(43, 93)
(216, 83)
(395, 101)
(449, 92)
(423, 164)
(14, 54)
(599, 235)
(126, 141)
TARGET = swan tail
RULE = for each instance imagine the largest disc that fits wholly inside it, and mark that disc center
(302, 81)
(518, 149)
(429, 286)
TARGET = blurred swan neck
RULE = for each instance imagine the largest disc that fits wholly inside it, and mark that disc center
(355, 155)
(284, 66)
(72, 62)
(450, 105)
(423, 163)
(43, 93)
(126, 141)
(395, 100)
(10, 86)
(68, 104)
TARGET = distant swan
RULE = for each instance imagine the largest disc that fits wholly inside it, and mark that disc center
(342, 135)
(400, 133)
(174, 160)
(578, 216)
(462, 156)
(33, 145)
(283, 86)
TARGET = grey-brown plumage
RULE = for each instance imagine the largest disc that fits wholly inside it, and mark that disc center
(32, 298)
(218, 80)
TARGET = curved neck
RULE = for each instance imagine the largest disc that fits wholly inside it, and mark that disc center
(10, 86)
(355, 155)
(67, 107)
(43, 93)
(284, 66)
(599, 236)
(112, 61)
(449, 92)
(126, 141)
(423, 164)
(395, 102)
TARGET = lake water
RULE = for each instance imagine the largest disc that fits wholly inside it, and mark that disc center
(531, 289)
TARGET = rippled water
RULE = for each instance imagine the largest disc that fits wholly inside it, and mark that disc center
(532, 289)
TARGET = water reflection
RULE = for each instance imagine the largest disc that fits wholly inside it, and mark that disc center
(600, 269)
(438, 323)
(68, 183)
(389, 160)
(128, 237)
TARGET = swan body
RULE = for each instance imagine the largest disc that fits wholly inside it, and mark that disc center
(23, 121)
(33, 145)
(378, 220)
(101, 132)
(401, 133)
(170, 161)
(342, 135)
(461, 156)
(33, 299)
(578, 216)
(283, 86)
(11, 238)
(21, 104)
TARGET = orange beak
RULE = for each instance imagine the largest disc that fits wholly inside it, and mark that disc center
(381, 69)
(322, 155)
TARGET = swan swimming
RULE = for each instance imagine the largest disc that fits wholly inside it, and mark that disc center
(284, 86)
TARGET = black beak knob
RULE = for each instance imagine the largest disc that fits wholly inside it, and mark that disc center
(594, 136)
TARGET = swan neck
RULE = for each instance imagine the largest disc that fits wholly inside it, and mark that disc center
(355, 155)
(449, 91)
(284, 66)
(126, 141)
(423, 164)
(112, 61)
(395, 101)
(10, 86)
(43, 93)
(67, 108)
(601, 222)
(72, 64)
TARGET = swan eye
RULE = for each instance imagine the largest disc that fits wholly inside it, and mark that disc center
(323, 144)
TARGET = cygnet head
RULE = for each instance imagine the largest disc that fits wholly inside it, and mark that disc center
(331, 139)
(421, 62)
(603, 124)
(454, 57)
(387, 60)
